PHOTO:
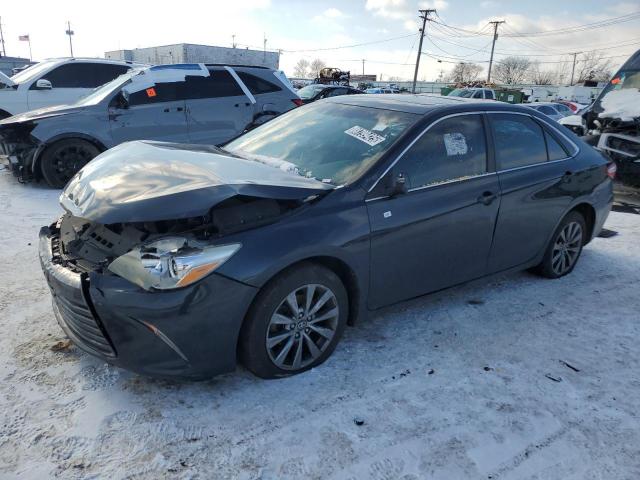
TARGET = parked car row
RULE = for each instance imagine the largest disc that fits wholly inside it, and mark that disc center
(184, 103)
(56, 82)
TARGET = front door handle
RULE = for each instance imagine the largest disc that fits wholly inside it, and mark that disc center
(487, 197)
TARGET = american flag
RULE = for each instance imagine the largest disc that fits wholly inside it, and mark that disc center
(23, 38)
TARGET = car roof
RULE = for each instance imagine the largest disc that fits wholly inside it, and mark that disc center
(415, 103)
(93, 60)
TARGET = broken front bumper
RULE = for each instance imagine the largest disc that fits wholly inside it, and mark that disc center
(189, 333)
(17, 154)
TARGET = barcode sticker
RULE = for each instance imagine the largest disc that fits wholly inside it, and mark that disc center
(364, 135)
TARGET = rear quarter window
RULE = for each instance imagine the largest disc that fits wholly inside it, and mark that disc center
(257, 85)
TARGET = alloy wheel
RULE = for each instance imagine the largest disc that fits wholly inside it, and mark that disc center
(302, 326)
(566, 248)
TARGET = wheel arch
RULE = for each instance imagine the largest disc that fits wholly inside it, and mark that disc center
(589, 214)
(345, 272)
(37, 157)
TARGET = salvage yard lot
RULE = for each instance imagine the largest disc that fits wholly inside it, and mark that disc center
(508, 377)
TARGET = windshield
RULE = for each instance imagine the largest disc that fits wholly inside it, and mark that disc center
(32, 72)
(310, 91)
(461, 92)
(330, 142)
(100, 93)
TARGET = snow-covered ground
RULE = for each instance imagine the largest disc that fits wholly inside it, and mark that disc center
(450, 386)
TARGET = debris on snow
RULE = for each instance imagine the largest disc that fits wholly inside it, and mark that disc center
(61, 346)
(475, 301)
(551, 377)
(358, 421)
(606, 233)
(568, 365)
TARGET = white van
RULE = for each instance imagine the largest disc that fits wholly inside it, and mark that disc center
(56, 82)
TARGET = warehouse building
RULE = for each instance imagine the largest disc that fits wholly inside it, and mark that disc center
(191, 53)
(8, 64)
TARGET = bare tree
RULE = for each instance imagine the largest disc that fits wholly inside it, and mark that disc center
(537, 76)
(593, 66)
(464, 72)
(316, 66)
(301, 70)
(512, 70)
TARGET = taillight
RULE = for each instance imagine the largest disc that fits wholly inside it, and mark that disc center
(297, 101)
(611, 170)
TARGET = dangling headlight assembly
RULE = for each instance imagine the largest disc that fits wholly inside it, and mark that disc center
(171, 262)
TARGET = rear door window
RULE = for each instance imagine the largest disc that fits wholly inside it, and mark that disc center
(453, 149)
(83, 75)
(219, 84)
(519, 141)
(257, 85)
(488, 94)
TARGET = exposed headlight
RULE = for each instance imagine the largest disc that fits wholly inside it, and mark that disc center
(171, 262)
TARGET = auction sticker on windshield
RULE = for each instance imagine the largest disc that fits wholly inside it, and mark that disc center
(364, 135)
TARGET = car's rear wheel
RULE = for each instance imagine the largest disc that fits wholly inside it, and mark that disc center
(565, 247)
(63, 159)
(295, 322)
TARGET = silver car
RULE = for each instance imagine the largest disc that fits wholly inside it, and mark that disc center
(552, 110)
(182, 103)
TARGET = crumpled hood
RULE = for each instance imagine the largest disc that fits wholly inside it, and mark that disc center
(40, 113)
(147, 181)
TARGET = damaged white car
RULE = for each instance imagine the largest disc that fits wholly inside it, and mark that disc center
(612, 122)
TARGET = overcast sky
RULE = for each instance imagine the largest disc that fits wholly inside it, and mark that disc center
(294, 26)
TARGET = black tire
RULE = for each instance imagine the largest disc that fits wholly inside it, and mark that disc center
(258, 328)
(63, 159)
(550, 265)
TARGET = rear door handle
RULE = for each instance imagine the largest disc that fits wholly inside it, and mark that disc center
(487, 197)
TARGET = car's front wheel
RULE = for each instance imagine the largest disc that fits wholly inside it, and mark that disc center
(565, 247)
(295, 322)
(63, 159)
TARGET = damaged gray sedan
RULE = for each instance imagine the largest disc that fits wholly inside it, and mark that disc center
(188, 103)
(176, 260)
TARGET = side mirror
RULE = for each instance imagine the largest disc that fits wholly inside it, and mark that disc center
(399, 185)
(43, 84)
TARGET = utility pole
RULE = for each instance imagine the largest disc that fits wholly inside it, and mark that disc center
(573, 68)
(363, 66)
(233, 41)
(424, 15)
(4, 52)
(70, 33)
(495, 37)
(264, 36)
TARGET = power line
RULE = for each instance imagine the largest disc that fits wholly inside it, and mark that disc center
(587, 26)
(348, 46)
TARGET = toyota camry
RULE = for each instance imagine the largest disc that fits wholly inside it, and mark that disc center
(180, 261)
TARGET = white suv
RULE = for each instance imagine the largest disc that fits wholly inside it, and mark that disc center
(56, 82)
